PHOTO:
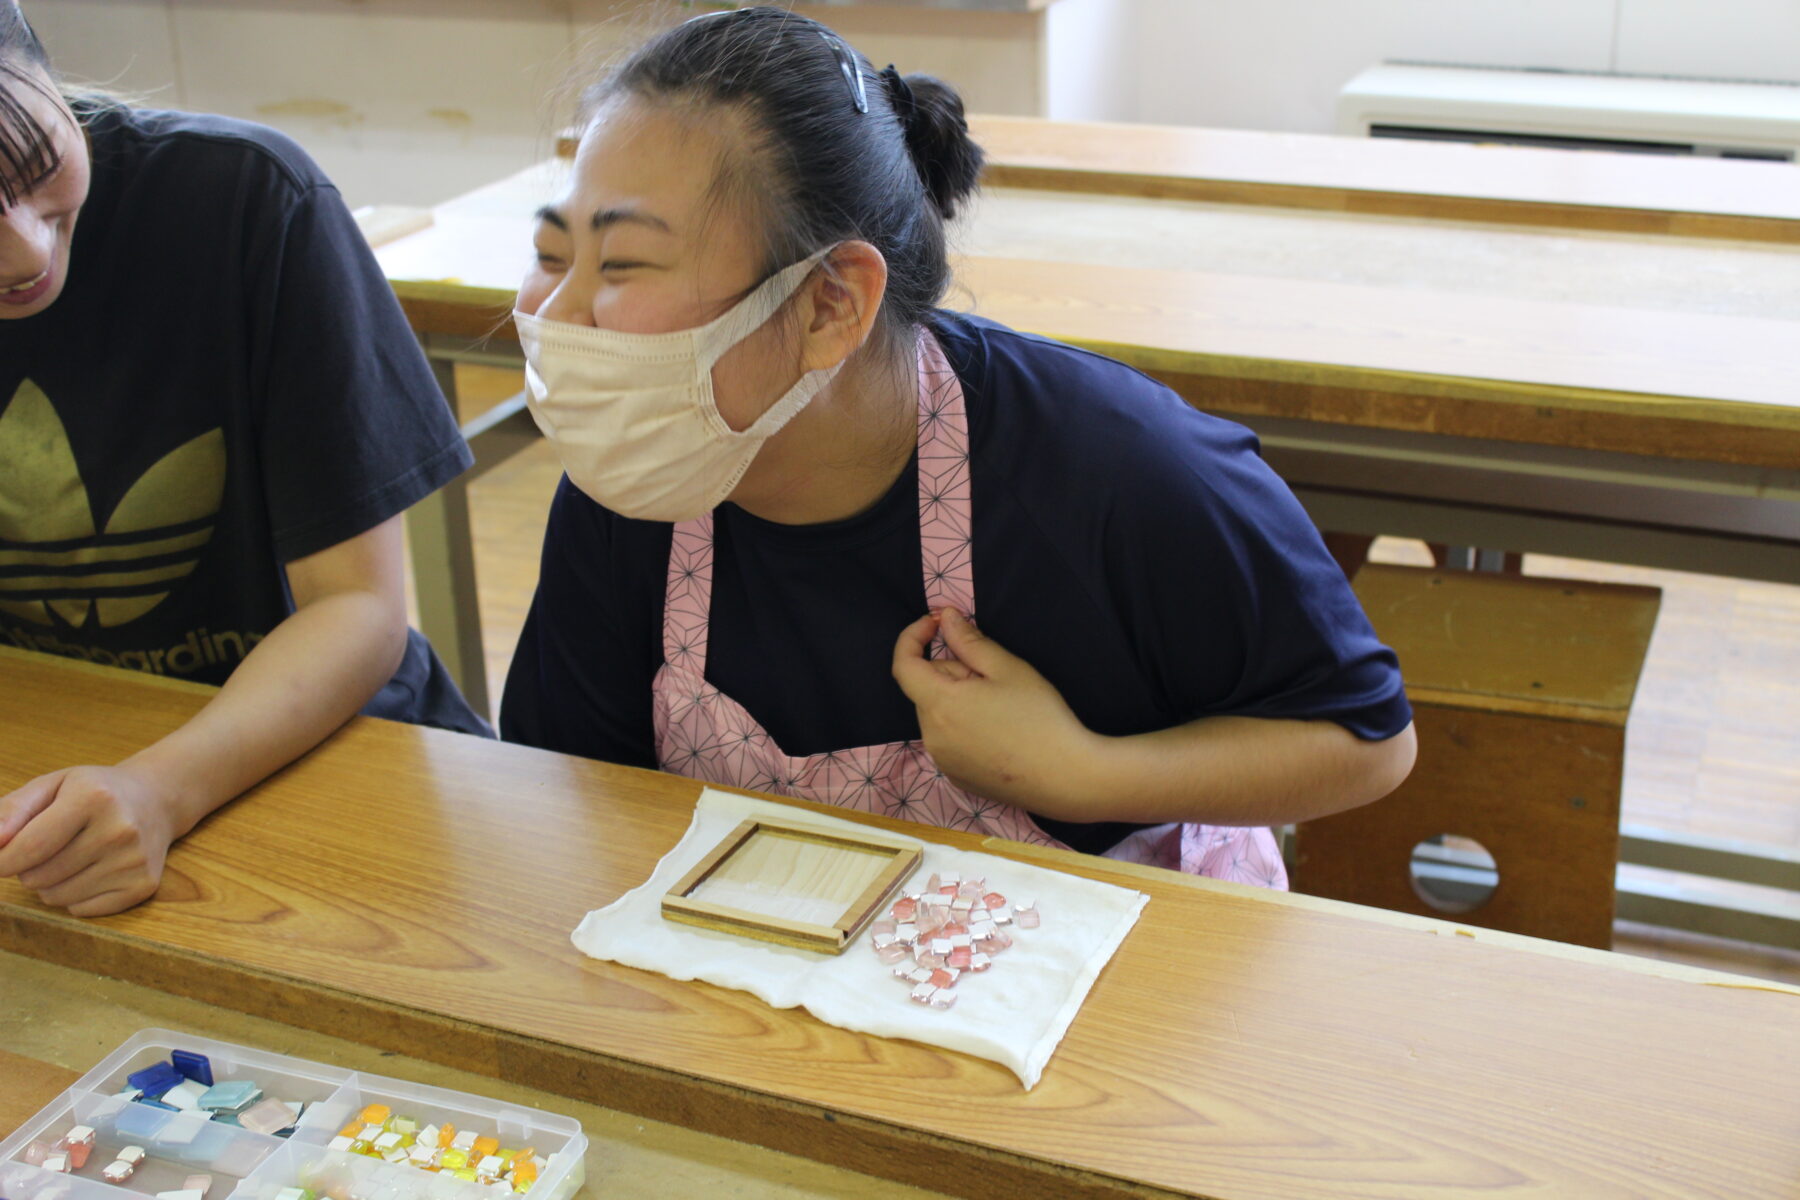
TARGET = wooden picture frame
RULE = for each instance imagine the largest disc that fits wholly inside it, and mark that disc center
(789, 883)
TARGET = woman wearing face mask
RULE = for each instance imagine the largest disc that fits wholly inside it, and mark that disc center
(792, 483)
(211, 416)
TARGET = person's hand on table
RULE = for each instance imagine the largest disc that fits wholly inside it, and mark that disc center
(88, 839)
(994, 726)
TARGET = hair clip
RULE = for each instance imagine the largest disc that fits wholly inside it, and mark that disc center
(852, 76)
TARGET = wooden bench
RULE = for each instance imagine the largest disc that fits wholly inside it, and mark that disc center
(1521, 688)
(1510, 185)
(1517, 185)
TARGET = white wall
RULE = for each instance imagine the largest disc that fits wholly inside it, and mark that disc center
(994, 59)
(1090, 60)
(1278, 64)
(383, 92)
(1739, 39)
(414, 101)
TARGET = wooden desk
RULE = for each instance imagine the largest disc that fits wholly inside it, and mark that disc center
(66, 1020)
(1494, 184)
(414, 890)
(1607, 431)
(30, 1084)
(1630, 193)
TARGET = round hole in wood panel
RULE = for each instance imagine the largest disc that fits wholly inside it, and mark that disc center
(1453, 874)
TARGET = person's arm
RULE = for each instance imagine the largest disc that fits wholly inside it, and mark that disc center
(997, 728)
(92, 839)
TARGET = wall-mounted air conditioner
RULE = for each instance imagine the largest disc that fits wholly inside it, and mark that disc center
(1645, 114)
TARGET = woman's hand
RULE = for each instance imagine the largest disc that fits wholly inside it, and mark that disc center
(992, 724)
(93, 839)
(88, 839)
(1000, 730)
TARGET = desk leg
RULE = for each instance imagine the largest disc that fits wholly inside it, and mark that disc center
(443, 562)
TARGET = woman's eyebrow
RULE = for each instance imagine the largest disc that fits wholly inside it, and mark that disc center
(605, 217)
(613, 216)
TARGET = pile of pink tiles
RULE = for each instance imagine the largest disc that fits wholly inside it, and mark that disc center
(953, 928)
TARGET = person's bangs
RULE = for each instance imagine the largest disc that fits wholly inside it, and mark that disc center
(27, 151)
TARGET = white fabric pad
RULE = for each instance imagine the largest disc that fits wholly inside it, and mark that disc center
(1014, 1013)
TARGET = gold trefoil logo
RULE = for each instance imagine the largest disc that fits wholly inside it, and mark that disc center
(53, 559)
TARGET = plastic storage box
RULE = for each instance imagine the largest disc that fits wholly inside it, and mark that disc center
(252, 1166)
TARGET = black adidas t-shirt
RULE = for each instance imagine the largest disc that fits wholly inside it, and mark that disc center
(1138, 553)
(226, 384)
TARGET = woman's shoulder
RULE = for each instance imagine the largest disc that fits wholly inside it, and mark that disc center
(1043, 409)
(199, 147)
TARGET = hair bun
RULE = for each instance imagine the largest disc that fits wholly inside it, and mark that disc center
(937, 136)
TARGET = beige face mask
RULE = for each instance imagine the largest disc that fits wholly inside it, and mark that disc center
(632, 415)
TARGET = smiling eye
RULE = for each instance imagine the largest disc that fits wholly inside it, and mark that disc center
(47, 173)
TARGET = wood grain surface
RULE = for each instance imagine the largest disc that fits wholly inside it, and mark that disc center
(1690, 386)
(1559, 648)
(68, 1020)
(1658, 384)
(26, 1085)
(415, 889)
(786, 883)
(1686, 197)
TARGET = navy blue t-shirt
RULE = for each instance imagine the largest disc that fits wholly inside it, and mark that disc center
(1138, 553)
(225, 385)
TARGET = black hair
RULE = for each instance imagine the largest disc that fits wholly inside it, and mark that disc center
(26, 152)
(837, 150)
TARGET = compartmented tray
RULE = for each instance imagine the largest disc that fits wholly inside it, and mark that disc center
(253, 1166)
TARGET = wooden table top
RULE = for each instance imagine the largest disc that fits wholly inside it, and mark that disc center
(1634, 193)
(30, 1085)
(1594, 377)
(414, 890)
(64, 1021)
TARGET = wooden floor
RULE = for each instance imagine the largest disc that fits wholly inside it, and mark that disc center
(1714, 742)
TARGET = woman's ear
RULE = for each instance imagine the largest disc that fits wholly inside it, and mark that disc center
(842, 300)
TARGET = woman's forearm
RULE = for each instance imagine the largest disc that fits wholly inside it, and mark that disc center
(307, 677)
(1229, 771)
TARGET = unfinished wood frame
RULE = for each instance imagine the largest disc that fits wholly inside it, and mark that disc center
(680, 903)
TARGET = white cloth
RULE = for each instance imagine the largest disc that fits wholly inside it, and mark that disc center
(1014, 1013)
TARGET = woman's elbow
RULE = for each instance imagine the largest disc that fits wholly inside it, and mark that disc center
(1387, 763)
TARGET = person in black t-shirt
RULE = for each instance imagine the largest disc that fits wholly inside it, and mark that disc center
(791, 481)
(212, 414)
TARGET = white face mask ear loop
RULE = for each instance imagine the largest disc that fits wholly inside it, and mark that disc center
(755, 311)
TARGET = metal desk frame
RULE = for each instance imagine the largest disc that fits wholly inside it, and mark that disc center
(439, 534)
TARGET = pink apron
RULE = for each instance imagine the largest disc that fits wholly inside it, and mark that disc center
(704, 734)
